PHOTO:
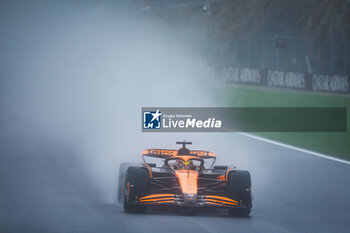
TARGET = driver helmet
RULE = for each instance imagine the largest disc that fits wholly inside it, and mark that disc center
(179, 164)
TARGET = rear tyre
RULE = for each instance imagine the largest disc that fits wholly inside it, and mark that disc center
(239, 188)
(136, 185)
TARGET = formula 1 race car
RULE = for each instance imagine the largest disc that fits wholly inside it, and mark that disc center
(184, 178)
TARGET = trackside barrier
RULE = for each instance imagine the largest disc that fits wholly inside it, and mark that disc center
(279, 79)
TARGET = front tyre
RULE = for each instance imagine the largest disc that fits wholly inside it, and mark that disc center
(239, 212)
(121, 181)
(136, 185)
(239, 188)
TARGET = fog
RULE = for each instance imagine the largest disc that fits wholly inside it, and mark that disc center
(76, 76)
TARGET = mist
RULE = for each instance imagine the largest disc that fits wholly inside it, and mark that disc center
(76, 78)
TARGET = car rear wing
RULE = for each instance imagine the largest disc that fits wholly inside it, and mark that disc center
(165, 153)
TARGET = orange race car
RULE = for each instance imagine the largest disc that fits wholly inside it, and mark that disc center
(184, 178)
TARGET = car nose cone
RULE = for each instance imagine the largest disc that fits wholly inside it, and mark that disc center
(190, 198)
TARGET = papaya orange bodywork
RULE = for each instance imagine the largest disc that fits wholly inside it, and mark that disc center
(170, 153)
(158, 199)
(218, 203)
(228, 170)
(221, 198)
(159, 202)
(156, 196)
(221, 177)
(221, 202)
(149, 169)
(188, 181)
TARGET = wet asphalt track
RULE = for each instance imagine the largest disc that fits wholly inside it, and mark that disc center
(294, 192)
(44, 189)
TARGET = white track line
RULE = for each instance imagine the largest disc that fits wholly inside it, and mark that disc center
(296, 148)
